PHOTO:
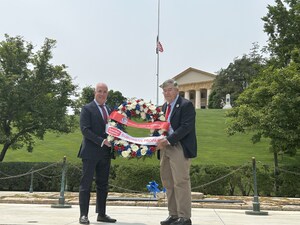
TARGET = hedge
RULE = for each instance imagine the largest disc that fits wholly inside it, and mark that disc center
(210, 180)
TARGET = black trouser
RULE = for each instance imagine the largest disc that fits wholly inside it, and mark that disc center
(101, 169)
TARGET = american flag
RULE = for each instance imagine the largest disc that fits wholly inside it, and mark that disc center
(159, 47)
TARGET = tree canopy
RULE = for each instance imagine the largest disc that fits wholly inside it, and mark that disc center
(267, 109)
(115, 98)
(34, 94)
(235, 78)
(270, 106)
(282, 24)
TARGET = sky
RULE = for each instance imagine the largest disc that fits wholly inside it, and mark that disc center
(114, 41)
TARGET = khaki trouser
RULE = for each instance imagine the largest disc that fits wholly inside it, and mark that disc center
(175, 176)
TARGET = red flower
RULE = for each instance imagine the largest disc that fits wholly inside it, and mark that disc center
(152, 148)
(133, 154)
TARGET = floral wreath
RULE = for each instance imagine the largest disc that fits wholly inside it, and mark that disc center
(134, 108)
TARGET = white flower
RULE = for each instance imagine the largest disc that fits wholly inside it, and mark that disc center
(161, 132)
(123, 142)
(143, 115)
(113, 123)
(143, 147)
(162, 118)
(110, 138)
(141, 103)
(143, 151)
(118, 142)
(134, 147)
(152, 107)
(125, 154)
(129, 107)
(133, 104)
(137, 112)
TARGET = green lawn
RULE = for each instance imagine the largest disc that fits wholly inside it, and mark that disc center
(215, 147)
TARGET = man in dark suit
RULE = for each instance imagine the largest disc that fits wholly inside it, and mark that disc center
(95, 152)
(176, 151)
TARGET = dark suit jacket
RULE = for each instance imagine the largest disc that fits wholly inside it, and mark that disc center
(183, 123)
(92, 127)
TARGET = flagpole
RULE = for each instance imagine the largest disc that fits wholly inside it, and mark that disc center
(157, 55)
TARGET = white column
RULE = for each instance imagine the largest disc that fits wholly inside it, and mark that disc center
(208, 94)
(198, 99)
(187, 95)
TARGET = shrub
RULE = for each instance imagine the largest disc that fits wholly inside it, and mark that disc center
(213, 180)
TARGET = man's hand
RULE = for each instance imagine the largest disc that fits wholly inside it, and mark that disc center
(162, 143)
(107, 143)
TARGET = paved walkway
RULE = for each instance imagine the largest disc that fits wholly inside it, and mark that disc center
(24, 214)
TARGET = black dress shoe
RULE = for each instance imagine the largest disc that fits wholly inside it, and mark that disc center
(169, 220)
(106, 219)
(182, 221)
(84, 220)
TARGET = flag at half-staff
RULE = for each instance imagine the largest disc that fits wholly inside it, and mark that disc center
(159, 47)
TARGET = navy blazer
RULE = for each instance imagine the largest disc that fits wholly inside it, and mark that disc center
(183, 119)
(92, 128)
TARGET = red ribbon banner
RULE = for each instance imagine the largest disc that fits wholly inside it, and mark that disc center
(156, 125)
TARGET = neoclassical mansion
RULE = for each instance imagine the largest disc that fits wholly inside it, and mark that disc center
(195, 85)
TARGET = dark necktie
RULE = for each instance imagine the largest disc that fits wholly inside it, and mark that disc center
(104, 114)
(168, 111)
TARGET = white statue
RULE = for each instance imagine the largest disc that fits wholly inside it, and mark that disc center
(227, 103)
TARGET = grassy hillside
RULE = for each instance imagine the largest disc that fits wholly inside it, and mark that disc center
(214, 146)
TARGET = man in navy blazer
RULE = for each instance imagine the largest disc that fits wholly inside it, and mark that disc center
(176, 151)
(95, 152)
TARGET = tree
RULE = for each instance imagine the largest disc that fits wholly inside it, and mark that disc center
(115, 98)
(282, 24)
(270, 108)
(86, 96)
(34, 94)
(236, 77)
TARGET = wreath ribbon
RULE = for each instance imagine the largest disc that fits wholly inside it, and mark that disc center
(115, 132)
(156, 125)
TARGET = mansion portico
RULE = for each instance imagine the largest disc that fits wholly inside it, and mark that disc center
(195, 85)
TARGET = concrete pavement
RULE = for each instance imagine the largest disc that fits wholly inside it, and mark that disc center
(24, 214)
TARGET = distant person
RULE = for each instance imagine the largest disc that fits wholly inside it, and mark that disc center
(95, 152)
(175, 153)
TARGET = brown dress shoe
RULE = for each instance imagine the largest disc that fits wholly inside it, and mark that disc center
(106, 219)
(169, 220)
